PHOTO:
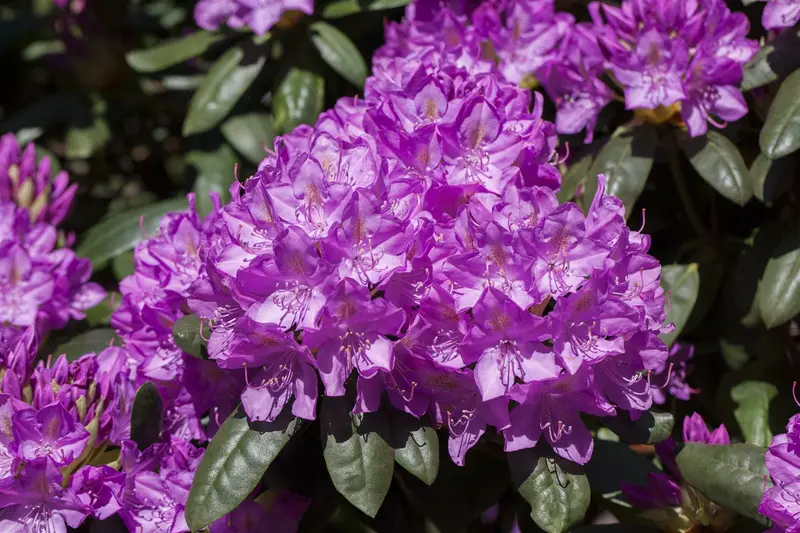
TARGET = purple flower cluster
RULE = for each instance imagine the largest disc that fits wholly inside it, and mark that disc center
(42, 282)
(781, 503)
(258, 15)
(669, 58)
(411, 244)
(153, 298)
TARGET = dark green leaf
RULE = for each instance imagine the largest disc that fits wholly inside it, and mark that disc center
(215, 173)
(774, 61)
(121, 232)
(650, 428)
(359, 462)
(771, 178)
(233, 464)
(626, 161)
(249, 134)
(172, 52)
(298, 99)
(343, 8)
(780, 135)
(732, 476)
(82, 142)
(48, 110)
(146, 416)
(416, 446)
(122, 265)
(683, 284)
(719, 162)
(100, 314)
(186, 332)
(93, 341)
(339, 52)
(576, 174)
(779, 289)
(557, 490)
(753, 398)
(226, 81)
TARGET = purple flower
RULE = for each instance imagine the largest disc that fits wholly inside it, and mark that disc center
(258, 15)
(49, 433)
(781, 503)
(779, 14)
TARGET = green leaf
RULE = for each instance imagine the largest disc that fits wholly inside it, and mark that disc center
(576, 174)
(774, 61)
(215, 173)
(121, 232)
(82, 142)
(298, 99)
(557, 490)
(626, 160)
(753, 398)
(100, 314)
(172, 52)
(780, 135)
(343, 8)
(732, 476)
(778, 292)
(719, 162)
(339, 52)
(186, 332)
(249, 134)
(416, 446)
(226, 82)
(233, 464)
(650, 428)
(770, 179)
(683, 284)
(146, 416)
(359, 462)
(122, 265)
(92, 341)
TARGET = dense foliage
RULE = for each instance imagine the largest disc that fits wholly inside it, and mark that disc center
(499, 266)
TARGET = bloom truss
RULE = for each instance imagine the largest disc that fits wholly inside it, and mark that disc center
(411, 245)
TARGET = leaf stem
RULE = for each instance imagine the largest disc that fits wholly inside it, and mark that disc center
(683, 192)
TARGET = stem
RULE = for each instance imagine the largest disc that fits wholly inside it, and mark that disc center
(683, 192)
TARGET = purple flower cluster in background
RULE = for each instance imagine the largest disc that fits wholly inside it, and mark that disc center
(780, 14)
(258, 15)
(413, 242)
(42, 282)
(781, 503)
(672, 60)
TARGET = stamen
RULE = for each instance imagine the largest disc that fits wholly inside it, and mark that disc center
(794, 393)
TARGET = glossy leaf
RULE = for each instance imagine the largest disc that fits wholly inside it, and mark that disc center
(416, 446)
(770, 179)
(250, 134)
(100, 314)
(82, 142)
(92, 341)
(298, 99)
(774, 61)
(732, 476)
(778, 293)
(626, 160)
(719, 162)
(557, 490)
(146, 415)
(339, 52)
(122, 265)
(186, 332)
(753, 399)
(683, 284)
(650, 428)
(172, 52)
(121, 232)
(233, 464)
(226, 81)
(780, 135)
(215, 173)
(343, 8)
(359, 462)
(577, 173)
